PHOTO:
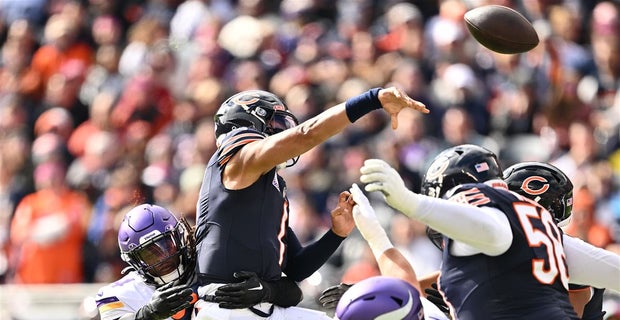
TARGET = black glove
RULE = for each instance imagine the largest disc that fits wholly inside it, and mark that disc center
(247, 293)
(435, 297)
(165, 302)
(330, 296)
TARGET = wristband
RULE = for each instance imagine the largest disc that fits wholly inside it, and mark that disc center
(362, 104)
(379, 245)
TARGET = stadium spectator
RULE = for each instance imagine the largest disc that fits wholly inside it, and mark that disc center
(48, 231)
(584, 223)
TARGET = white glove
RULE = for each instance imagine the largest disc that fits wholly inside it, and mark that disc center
(368, 224)
(379, 176)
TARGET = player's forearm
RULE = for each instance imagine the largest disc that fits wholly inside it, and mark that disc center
(308, 259)
(485, 229)
(293, 142)
(590, 265)
(393, 263)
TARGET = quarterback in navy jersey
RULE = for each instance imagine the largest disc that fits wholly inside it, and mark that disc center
(242, 211)
(504, 257)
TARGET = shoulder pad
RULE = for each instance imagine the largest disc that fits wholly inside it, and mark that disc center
(234, 141)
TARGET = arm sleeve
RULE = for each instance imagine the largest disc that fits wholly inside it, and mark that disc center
(304, 261)
(590, 265)
(484, 228)
(286, 293)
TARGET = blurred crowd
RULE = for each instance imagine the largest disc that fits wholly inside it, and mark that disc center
(106, 104)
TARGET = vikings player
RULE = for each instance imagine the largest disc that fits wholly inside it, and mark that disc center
(393, 295)
(160, 250)
(242, 212)
(504, 256)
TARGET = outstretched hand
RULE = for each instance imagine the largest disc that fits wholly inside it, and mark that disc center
(433, 295)
(365, 217)
(331, 296)
(380, 176)
(342, 215)
(394, 99)
(166, 301)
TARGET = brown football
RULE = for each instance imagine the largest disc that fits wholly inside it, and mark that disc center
(501, 29)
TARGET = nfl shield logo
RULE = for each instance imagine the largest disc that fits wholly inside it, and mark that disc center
(483, 166)
(275, 182)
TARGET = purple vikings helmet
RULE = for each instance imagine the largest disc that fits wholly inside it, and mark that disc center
(157, 245)
(380, 297)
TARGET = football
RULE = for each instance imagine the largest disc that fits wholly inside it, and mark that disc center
(501, 29)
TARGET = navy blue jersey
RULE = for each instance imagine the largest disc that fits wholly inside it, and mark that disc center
(529, 281)
(593, 310)
(240, 230)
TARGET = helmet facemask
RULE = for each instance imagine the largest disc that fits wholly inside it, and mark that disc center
(160, 258)
(157, 245)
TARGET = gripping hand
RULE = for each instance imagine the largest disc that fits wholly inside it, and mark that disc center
(329, 297)
(364, 215)
(165, 302)
(380, 176)
(433, 295)
(247, 293)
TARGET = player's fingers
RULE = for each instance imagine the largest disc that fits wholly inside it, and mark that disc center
(181, 307)
(183, 295)
(394, 121)
(376, 186)
(232, 287)
(357, 194)
(374, 165)
(378, 177)
(419, 106)
(244, 275)
(330, 301)
(343, 196)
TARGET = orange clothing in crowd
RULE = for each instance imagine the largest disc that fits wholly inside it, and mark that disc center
(583, 224)
(48, 59)
(47, 233)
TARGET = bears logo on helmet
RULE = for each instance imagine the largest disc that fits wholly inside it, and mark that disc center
(545, 184)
